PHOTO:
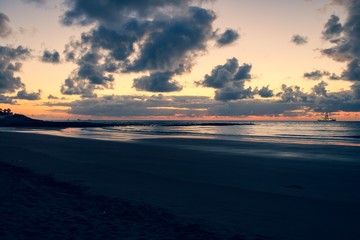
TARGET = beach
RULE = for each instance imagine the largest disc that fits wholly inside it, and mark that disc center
(180, 188)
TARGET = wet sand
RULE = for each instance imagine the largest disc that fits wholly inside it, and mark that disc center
(207, 189)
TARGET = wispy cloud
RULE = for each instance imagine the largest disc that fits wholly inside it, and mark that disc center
(5, 29)
(299, 40)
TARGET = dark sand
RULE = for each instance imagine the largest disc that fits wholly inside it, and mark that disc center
(176, 189)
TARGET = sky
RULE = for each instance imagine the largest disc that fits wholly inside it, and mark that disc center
(180, 59)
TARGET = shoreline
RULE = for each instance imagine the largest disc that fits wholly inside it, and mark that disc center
(281, 196)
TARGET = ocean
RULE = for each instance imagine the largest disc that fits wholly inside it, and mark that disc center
(329, 133)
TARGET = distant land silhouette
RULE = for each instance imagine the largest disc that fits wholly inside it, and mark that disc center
(19, 120)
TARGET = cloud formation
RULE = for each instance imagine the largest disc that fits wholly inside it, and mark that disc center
(52, 97)
(234, 91)
(50, 57)
(93, 73)
(265, 92)
(229, 81)
(320, 100)
(9, 83)
(316, 75)
(346, 39)
(332, 29)
(6, 100)
(227, 37)
(231, 71)
(9, 65)
(290, 101)
(31, 96)
(157, 82)
(353, 70)
(292, 94)
(5, 29)
(356, 90)
(76, 86)
(299, 40)
(162, 38)
(320, 89)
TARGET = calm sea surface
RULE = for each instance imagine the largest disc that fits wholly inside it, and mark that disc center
(338, 133)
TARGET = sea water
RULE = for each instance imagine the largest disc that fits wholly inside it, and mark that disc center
(336, 133)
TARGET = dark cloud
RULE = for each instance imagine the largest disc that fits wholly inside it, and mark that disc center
(229, 81)
(9, 65)
(316, 75)
(5, 29)
(119, 44)
(227, 37)
(75, 86)
(341, 101)
(320, 100)
(177, 44)
(157, 82)
(18, 53)
(51, 57)
(299, 40)
(84, 12)
(243, 72)
(15, 67)
(90, 69)
(31, 96)
(6, 100)
(221, 75)
(9, 83)
(333, 28)
(293, 94)
(353, 70)
(234, 91)
(356, 90)
(347, 38)
(153, 36)
(93, 73)
(52, 97)
(333, 76)
(320, 89)
(265, 92)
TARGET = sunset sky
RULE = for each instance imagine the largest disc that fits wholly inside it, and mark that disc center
(180, 59)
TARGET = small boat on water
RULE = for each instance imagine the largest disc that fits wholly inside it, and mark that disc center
(326, 118)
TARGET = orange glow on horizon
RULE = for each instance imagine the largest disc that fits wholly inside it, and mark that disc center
(46, 114)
